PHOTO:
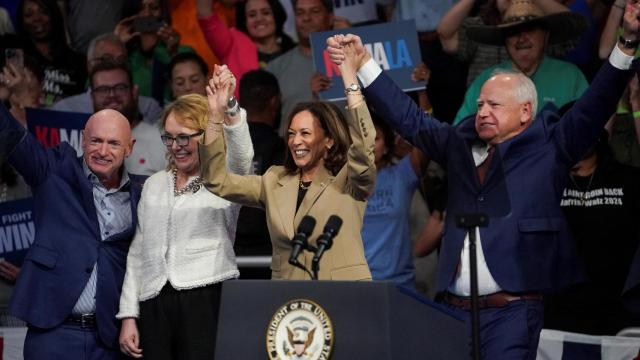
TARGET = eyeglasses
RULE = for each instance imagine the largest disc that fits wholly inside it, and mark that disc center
(119, 90)
(181, 140)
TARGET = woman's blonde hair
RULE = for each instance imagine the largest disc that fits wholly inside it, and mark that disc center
(190, 110)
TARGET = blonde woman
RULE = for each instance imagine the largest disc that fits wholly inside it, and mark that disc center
(183, 247)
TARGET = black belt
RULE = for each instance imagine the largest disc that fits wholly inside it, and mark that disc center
(495, 300)
(85, 321)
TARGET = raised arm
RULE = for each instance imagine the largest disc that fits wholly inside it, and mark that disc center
(243, 189)
(28, 157)
(235, 127)
(216, 33)
(360, 157)
(393, 105)
(450, 24)
(608, 38)
(581, 126)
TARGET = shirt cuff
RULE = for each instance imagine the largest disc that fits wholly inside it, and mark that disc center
(369, 72)
(619, 59)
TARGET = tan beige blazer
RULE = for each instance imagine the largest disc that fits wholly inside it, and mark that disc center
(276, 191)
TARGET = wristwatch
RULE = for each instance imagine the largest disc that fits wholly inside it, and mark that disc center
(628, 44)
(233, 108)
(352, 88)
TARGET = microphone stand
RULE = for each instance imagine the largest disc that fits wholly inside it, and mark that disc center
(470, 222)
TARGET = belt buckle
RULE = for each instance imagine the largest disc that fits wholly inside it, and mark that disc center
(87, 321)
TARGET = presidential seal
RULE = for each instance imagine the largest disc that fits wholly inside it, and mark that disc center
(300, 330)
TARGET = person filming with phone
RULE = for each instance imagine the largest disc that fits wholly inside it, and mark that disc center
(151, 42)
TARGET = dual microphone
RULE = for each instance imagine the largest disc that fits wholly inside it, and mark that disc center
(324, 242)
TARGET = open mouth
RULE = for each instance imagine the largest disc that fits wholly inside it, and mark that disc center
(101, 161)
(300, 153)
(181, 155)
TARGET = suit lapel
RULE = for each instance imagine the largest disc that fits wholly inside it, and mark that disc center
(320, 182)
(86, 191)
(286, 196)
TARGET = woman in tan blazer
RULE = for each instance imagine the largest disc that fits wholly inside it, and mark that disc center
(329, 170)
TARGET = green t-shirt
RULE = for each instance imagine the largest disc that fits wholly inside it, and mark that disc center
(142, 67)
(556, 81)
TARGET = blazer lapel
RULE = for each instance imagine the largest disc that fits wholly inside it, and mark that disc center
(286, 196)
(321, 181)
(86, 191)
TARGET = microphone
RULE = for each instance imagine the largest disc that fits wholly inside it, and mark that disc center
(300, 238)
(325, 240)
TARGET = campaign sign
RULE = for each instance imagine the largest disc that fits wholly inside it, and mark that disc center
(17, 229)
(53, 127)
(394, 46)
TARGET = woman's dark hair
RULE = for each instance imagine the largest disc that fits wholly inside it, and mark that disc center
(57, 34)
(388, 136)
(187, 57)
(279, 16)
(335, 127)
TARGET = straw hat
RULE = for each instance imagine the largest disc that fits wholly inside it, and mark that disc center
(562, 27)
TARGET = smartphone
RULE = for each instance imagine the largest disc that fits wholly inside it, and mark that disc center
(14, 57)
(147, 24)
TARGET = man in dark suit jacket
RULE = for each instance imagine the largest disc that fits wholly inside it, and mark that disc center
(69, 285)
(503, 163)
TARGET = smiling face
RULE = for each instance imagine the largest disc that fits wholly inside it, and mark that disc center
(500, 116)
(37, 21)
(526, 48)
(308, 142)
(259, 18)
(111, 89)
(311, 16)
(187, 78)
(106, 142)
(185, 158)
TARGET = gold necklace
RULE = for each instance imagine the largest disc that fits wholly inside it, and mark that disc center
(304, 186)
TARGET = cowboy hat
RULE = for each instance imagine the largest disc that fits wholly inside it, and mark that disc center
(562, 27)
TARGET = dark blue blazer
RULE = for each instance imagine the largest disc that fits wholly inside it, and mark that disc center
(527, 245)
(67, 242)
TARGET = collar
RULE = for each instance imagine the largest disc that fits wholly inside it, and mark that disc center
(93, 179)
(480, 152)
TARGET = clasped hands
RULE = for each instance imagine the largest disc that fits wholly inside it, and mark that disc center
(347, 51)
(220, 89)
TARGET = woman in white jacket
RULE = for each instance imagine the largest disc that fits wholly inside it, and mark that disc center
(183, 247)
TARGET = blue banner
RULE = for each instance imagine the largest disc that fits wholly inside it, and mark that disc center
(17, 229)
(394, 46)
(53, 127)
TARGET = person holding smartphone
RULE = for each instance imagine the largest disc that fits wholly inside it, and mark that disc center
(152, 42)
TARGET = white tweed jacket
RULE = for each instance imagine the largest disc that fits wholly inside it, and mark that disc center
(186, 240)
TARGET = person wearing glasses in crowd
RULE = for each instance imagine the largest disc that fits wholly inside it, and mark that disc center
(183, 247)
(329, 169)
(112, 88)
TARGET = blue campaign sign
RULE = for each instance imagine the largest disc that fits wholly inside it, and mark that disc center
(394, 46)
(17, 229)
(53, 127)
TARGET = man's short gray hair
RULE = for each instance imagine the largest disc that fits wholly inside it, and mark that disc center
(106, 37)
(525, 90)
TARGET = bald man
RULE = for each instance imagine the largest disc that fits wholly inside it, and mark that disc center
(69, 286)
